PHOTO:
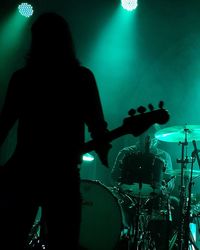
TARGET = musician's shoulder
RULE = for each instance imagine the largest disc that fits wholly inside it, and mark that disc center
(129, 149)
(85, 70)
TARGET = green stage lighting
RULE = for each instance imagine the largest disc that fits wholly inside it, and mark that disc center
(129, 4)
(25, 9)
(88, 157)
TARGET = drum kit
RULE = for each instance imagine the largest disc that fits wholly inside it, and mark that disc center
(107, 212)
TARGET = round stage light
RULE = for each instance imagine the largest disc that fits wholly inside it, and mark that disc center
(25, 9)
(129, 5)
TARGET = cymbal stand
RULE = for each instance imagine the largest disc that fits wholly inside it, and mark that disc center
(136, 236)
(187, 236)
(183, 161)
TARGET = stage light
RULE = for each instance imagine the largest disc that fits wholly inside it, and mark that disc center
(88, 157)
(25, 9)
(129, 5)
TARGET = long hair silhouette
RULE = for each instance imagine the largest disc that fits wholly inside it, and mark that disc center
(52, 42)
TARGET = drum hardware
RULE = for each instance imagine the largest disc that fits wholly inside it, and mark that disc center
(37, 238)
(187, 172)
(195, 208)
(166, 183)
(183, 209)
(154, 209)
(195, 153)
(179, 133)
(182, 135)
(141, 180)
(136, 235)
(143, 174)
(184, 236)
(124, 198)
(192, 243)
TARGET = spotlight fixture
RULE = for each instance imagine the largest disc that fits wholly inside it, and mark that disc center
(88, 157)
(129, 5)
(25, 9)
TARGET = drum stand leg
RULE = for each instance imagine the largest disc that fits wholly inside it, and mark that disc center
(37, 237)
(185, 202)
(136, 224)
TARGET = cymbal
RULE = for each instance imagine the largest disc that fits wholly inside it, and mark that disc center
(179, 133)
(186, 172)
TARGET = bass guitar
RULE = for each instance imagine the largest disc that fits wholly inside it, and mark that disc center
(136, 123)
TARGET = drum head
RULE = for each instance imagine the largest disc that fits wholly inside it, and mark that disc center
(101, 217)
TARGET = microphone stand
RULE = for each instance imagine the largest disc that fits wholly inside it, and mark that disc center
(183, 162)
(195, 152)
(187, 213)
(187, 218)
(186, 204)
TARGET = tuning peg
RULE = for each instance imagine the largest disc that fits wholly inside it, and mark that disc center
(141, 109)
(151, 107)
(132, 112)
(161, 104)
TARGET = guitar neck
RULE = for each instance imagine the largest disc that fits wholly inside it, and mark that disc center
(113, 134)
(134, 124)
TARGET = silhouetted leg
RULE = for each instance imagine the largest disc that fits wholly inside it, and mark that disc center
(62, 211)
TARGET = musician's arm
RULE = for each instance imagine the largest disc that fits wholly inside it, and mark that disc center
(119, 165)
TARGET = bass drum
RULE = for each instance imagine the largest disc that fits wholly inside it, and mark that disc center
(101, 217)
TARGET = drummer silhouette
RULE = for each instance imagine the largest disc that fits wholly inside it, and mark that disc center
(143, 164)
(143, 172)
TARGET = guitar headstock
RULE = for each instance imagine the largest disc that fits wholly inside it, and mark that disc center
(140, 120)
